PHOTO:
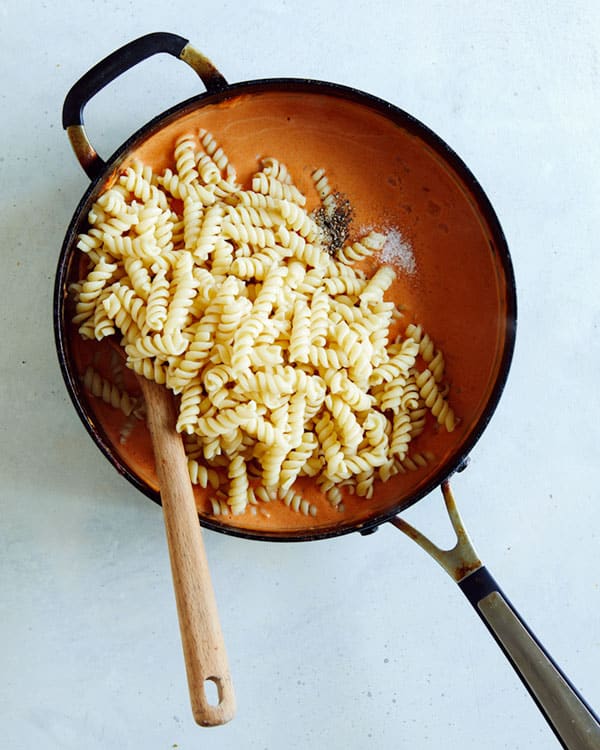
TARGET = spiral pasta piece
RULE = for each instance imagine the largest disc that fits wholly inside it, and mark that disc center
(91, 288)
(365, 481)
(347, 426)
(340, 384)
(269, 185)
(113, 201)
(202, 475)
(158, 297)
(225, 420)
(237, 496)
(409, 400)
(296, 459)
(183, 289)
(256, 267)
(193, 212)
(150, 369)
(160, 345)
(434, 400)
(196, 354)
(209, 232)
(335, 497)
(127, 310)
(400, 435)
(246, 233)
(137, 179)
(376, 437)
(178, 188)
(321, 183)
(101, 324)
(319, 318)
(299, 221)
(222, 258)
(300, 334)
(208, 170)
(139, 276)
(331, 447)
(431, 356)
(185, 158)
(213, 150)
(361, 249)
(297, 503)
(397, 366)
(377, 285)
(272, 461)
(344, 285)
(103, 389)
(274, 168)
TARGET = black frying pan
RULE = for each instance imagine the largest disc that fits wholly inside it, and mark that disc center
(395, 170)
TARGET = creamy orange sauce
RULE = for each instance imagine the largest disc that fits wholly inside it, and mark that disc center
(394, 182)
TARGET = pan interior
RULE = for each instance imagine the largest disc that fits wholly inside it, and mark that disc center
(453, 271)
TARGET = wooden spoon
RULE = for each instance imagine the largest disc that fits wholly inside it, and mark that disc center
(201, 636)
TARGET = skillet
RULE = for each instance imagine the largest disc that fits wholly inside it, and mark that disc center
(402, 175)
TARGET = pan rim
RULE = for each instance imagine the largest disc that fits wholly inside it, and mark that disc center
(400, 117)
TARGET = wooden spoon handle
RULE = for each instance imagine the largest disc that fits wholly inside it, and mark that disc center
(201, 636)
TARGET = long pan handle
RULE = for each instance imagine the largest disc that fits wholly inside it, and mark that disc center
(567, 713)
(574, 723)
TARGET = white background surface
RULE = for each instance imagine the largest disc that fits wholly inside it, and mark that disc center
(357, 642)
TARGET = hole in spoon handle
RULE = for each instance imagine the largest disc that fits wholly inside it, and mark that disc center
(213, 703)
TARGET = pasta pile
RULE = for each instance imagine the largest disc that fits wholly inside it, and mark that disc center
(279, 351)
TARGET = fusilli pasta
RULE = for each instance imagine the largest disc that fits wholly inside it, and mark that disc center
(280, 352)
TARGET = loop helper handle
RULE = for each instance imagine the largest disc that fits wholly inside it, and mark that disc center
(569, 716)
(112, 67)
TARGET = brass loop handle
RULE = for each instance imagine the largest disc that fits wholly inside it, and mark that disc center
(110, 68)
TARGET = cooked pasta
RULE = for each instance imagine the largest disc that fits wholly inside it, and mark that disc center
(106, 391)
(278, 346)
(363, 248)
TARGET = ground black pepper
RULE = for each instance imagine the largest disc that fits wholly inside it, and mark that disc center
(334, 218)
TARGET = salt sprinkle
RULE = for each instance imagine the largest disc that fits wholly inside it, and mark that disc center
(398, 251)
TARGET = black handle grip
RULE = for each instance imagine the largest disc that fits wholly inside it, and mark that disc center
(572, 720)
(112, 67)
